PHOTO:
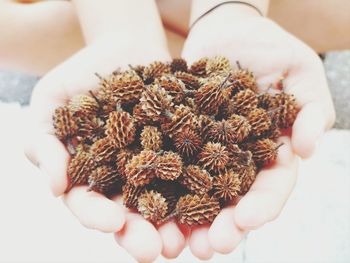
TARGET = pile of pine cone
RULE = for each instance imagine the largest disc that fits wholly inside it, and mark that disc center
(175, 141)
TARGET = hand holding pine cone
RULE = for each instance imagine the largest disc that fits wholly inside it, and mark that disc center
(175, 140)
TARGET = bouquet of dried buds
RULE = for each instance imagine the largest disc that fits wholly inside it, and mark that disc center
(175, 141)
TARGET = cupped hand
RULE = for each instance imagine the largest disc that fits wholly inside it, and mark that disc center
(270, 52)
(75, 76)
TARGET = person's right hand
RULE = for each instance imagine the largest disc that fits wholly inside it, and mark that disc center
(75, 76)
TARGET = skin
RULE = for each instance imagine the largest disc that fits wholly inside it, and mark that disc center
(102, 50)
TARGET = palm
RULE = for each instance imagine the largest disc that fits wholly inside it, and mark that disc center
(270, 52)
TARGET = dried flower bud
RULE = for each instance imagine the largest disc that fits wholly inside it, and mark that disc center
(151, 138)
(140, 170)
(197, 210)
(214, 157)
(103, 178)
(178, 64)
(64, 123)
(259, 121)
(169, 166)
(226, 185)
(120, 128)
(152, 206)
(196, 180)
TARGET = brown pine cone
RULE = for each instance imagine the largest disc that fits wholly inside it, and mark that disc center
(64, 123)
(242, 79)
(140, 170)
(155, 70)
(170, 190)
(191, 82)
(244, 102)
(175, 87)
(238, 157)
(122, 158)
(210, 96)
(241, 126)
(79, 169)
(264, 151)
(181, 120)
(140, 116)
(197, 210)
(214, 157)
(259, 121)
(156, 102)
(272, 133)
(198, 68)
(266, 100)
(178, 64)
(120, 128)
(125, 87)
(187, 143)
(285, 110)
(204, 124)
(196, 180)
(138, 69)
(152, 206)
(218, 65)
(106, 101)
(247, 176)
(131, 195)
(103, 178)
(169, 166)
(226, 186)
(90, 128)
(103, 150)
(83, 105)
(151, 138)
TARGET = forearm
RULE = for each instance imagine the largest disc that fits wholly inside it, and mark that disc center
(36, 37)
(199, 7)
(120, 20)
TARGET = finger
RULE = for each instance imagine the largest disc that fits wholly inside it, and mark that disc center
(140, 239)
(224, 235)
(95, 211)
(172, 238)
(199, 243)
(270, 191)
(308, 128)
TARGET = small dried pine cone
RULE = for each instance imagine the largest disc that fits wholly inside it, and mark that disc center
(238, 157)
(175, 87)
(197, 210)
(241, 126)
(156, 102)
(140, 170)
(210, 96)
(247, 176)
(182, 119)
(198, 68)
(191, 81)
(214, 157)
(103, 178)
(152, 206)
(178, 64)
(103, 151)
(266, 100)
(151, 138)
(187, 143)
(155, 70)
(120, 128)
(131, 195)
(170, 190)
(226, 186)
(83, 105)
(168, 166)
(140, 116)
(90, 128)
(204, 124)
(218, 65)
(196, 180)
(264, 151)
(285, 110)
(64, 123)
(242, 79)
(259, 121)
(79, 169)
(122, 158)
(244, 102)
